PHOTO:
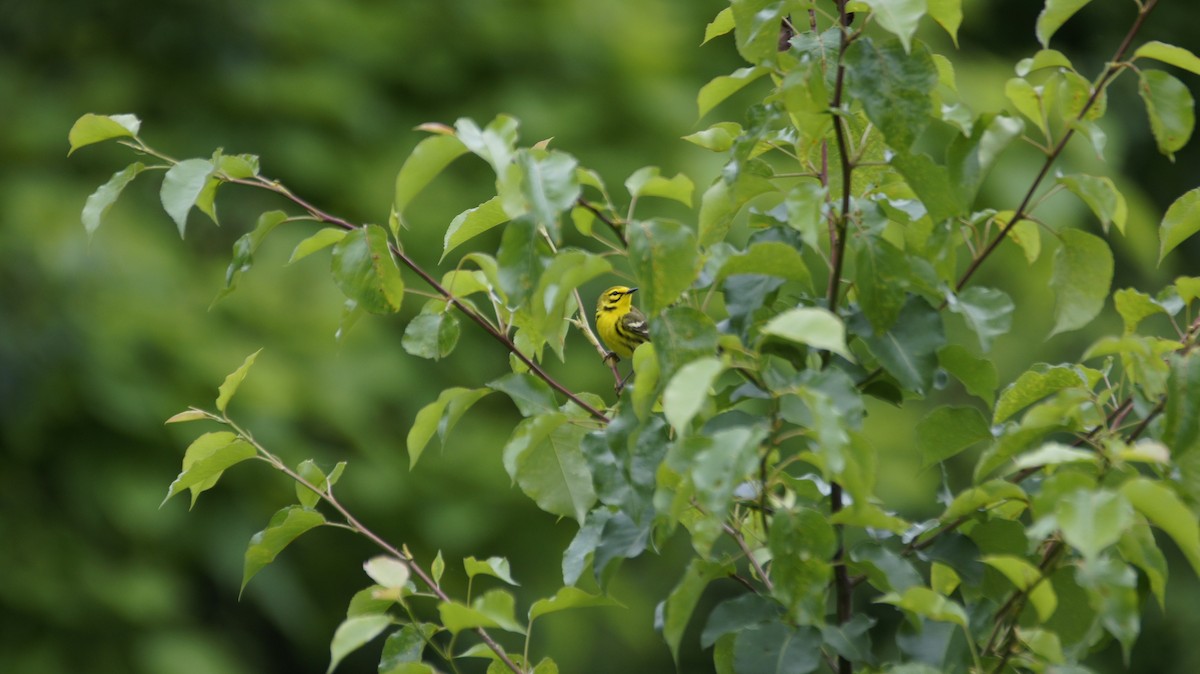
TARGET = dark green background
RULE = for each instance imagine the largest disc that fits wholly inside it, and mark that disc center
(101, 341)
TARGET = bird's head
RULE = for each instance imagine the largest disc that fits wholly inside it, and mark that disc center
(616, 297)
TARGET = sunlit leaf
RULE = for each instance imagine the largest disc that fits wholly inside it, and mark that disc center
(1181, 221)
(688, 389)
(1083, 272)
(900, 17)
(426, 161)
(324, 238)
(568, 598)
(98, 203)
(285, 526)
(1054, 15)
(1171, 108)
(439, 417)
(647, 182)
(815, 327)
(92, 128)
(543, 457)
(230, 386)
(473, 222)
(1169, 54)
(721, 88)
(206, 459)
(366, 272)
(946, 431)
(181, 188)
(353, 634)
(496, 567)
(1100, 195)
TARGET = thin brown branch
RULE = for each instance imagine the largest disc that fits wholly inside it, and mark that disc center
(469, 312)
(741, 543)
(584, 203)
(1022, 212)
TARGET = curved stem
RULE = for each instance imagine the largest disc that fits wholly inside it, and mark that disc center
(1022, 212)
(353, 522)
(470, 313)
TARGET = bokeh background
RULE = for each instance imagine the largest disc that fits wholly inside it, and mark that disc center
(102, 340)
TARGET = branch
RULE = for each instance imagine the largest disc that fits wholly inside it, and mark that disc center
(1022, 212)
(602, 218)
(837, 232)
(470, 313)
(357, 526)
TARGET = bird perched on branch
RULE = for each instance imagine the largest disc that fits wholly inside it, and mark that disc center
(622, 327)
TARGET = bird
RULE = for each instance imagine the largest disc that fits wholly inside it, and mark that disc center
(622, 327)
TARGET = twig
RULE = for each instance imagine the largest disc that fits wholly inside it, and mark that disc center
(741, 543)
(602, 218)
(1022, 212)
(327, 496)
(470, 313)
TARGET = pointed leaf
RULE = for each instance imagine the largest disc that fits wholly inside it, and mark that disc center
(1170, 54)
(439, 417)
(1171, 108)
(206, 458)
(1083, 272)
(544, 458)
(815, 327)
(322, 239)
(1166, 511)
(106, 195)
(496, 567)
(568, 598)
(1054, 15)
(688, 389)
(285, 526)
(353, 634)
(1100, 195)
(978, 375)
(230, 386)
(1027, 578)
(92, 128)
(1180, 223)
(987, 311)
(946, 431)
(898, 17)
(366, 272)
(473, 222)
(677, 611)
(720, 88)
(665, 260)
(387, 571)
(894, 87)
(647, 182)
(1093, 520)
(426, 161)
(181, 188)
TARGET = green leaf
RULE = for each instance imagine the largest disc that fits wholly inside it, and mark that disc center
(882, 282)
(473, 222)
(815, 327)
(366, 272)
(387, 571)
(437, 567)
(521, 258)
(494, 144)
(720, 88)
(908, 351)
(1134, 307)
(926, 603)
(556, 297)
(405, 647)
(230, 386)
(495, 608)
(1027, 578)
(1044, 58)
(1170, 107)
(285, 526)
(426, 161)
(680, 335)
(92, 128)
(1053, 454)
(1181, 430)
(665, 260)
(647, 182)
(549, 185)
(736, 614)
(98, 203)
(985, 495)
(680, 604)
(1180, 223)
(238, 166)
(688, 389)
(1166, 511)
(756, 28)
(313, 475)
(432, 335)
(568, 598)
(894, 87)
(948, 14)
(544, 458)
(1027, 99)
(1100, 195)
(978, 375)
(987, 311)
(1033, 385)
(1092, 520)
(777, 648)
(1169, 54)
(899, 17)
(721, 24)
(1083, 272)
(247, 245)
(205, 459)
(530, 394)
(1112, 592)
(802, 543)
(1137, 546)
(1054, 15)
(946, 431)
(322, 239)
(804, 203)
(188, 415)
(496, 567)
(353, 634)
(439, 417)
(181, 188)
(772, 258)
(719, 137)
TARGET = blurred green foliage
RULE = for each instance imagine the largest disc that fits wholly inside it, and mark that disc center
(101, 341)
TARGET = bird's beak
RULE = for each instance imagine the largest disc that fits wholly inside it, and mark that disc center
(631, 291)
